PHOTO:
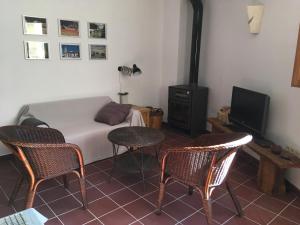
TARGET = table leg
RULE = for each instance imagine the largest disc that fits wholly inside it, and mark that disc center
(157, 151)
(270, 178)
(142, 168)
(136, 161)
(115, 156)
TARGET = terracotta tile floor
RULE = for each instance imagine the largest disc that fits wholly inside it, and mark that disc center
(123, 200)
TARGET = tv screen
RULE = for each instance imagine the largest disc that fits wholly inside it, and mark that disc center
(249, 109)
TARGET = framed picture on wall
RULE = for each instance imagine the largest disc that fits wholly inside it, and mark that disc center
(97, 52)
(36, 50)
(68, 28)
(97, 30)
(34, 25)
(70, 51)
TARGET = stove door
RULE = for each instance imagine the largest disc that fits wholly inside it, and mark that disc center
(179, 114)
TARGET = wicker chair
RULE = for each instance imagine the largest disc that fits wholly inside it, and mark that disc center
(203, 167)
(43, 154)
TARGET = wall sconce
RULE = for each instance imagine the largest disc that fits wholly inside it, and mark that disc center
(127, 71)
(255, 15)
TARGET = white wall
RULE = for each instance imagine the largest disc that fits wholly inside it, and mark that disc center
(134, 36)
(185, 41)
(170, 50)
(263, 62)
(176, 45)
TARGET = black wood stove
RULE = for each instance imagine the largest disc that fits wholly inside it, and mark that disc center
(187, 105)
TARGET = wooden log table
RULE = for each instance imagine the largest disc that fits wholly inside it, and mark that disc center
(272, 167)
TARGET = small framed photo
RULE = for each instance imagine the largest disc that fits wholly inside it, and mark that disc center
(98, 52)
(36, 50)
(97, 30)
(34, 25)
(68, 28)
(70, 51)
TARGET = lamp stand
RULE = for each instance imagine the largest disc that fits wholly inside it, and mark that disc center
(123, 97)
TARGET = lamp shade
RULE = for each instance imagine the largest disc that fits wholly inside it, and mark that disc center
(255, 15)
(125, 70)
(135, 69)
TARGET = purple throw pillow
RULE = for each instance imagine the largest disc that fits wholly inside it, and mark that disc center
(113, 113)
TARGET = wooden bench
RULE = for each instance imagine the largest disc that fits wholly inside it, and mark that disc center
(272, 167)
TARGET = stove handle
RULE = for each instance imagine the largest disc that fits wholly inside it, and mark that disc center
(182, 95)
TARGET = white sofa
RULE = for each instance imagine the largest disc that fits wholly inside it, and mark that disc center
(75, 119)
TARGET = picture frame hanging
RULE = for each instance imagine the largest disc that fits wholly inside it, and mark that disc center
(97, 52)
(97, 30)
(34, 25)
(68, 28)
(36, 50)
(70, 51)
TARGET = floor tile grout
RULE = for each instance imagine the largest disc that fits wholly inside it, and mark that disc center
(240, 185)
(119, 206)
(7, 198)
(279, 214)
(14, 166)
(250, 203)
(142, 197)
(261, 207)
(50, 209)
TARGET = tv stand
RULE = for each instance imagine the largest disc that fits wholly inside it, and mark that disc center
(263, 142)
(270, 176)
(235, 128)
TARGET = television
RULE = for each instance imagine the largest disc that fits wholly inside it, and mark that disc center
(249, 110)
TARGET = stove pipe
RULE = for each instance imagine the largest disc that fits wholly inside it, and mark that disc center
(196, 41)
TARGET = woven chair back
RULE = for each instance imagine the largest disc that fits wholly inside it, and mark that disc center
(28, 134)
(208, 160)
(222, 167)
(32, 141)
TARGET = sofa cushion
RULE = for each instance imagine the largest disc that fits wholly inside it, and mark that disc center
(113, 113)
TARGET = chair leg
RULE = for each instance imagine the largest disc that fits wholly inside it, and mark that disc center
(190, 191)
(161, 195)
(66, 182)
(83, 192)
(16, 190)
(31, 196)
(208, 211)
(235, 200)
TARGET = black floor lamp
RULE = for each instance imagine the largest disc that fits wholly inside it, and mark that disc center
(126, 71)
